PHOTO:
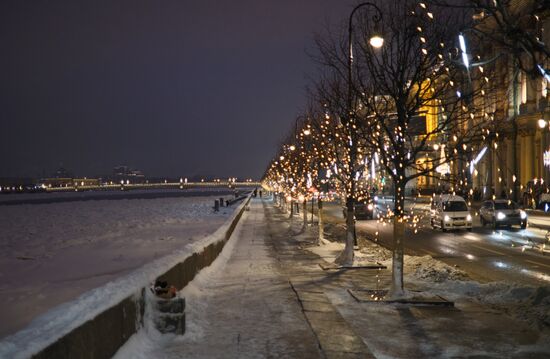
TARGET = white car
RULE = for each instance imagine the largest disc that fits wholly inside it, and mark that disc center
(450, 212)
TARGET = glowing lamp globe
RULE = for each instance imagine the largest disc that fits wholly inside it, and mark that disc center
(376, 41)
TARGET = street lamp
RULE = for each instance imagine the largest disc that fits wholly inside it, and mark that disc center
(375, 41)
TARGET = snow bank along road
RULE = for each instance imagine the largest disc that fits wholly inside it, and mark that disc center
(51, 253)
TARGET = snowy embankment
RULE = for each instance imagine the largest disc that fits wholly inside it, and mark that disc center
(430, 276)
(73, 247)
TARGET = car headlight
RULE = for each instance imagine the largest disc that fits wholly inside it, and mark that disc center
(469, 218)
(447, 218)
(523, 214)
(500, 216)
(370, 206)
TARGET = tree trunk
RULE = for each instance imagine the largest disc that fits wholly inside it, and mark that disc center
(304, 209)
(291, 209)
(397, 287)
(321, 236)
(346, 257)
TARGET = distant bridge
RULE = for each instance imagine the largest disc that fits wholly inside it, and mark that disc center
(161, 185)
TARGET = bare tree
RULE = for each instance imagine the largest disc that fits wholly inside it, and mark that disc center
(333, 93)
(339, 143)
(294, 171)
(417, 102)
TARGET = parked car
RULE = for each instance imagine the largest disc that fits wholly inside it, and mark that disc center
(364, 209)
(450, 212)
(502, 212)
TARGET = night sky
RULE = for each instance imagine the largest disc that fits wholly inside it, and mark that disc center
(173, 88)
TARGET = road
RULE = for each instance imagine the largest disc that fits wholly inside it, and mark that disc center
(485, 254)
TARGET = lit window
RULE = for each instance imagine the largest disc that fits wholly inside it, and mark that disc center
(523, 87)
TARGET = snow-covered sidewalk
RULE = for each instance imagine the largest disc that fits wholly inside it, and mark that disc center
(240, 307)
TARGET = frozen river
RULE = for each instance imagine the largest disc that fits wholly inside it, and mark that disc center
(52, 252)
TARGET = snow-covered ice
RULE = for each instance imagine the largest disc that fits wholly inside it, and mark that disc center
(52, 253)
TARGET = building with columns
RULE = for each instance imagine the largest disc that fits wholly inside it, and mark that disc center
(514, 162)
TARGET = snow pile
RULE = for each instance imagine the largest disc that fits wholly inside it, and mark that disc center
(375, 252)
(427, 268)
(538, 306)
(530, 304)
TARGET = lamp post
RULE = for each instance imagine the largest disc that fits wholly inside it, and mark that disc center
(375, 41)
